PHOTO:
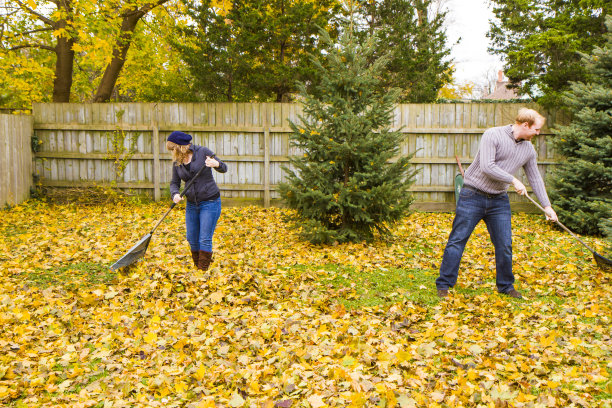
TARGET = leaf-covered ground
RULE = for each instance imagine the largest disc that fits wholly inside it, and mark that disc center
(282, 323)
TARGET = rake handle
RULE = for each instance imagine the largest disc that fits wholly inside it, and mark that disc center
(189, 183)
(460, 167)
(561, 225)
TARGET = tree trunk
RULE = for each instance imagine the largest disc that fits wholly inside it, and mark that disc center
(109, 79)
(229, 87)
(280, 90)
(62, 82)
(281, 60)
(421, 9)
(345, 219)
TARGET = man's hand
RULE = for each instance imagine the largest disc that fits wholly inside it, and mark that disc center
(519, 187)
(177, 198)
(550, 213)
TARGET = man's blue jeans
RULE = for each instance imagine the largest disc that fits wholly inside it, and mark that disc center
(471, 208)
(200, 221)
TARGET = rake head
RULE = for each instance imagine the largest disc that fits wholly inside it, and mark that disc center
(135, 253)
(604, 263)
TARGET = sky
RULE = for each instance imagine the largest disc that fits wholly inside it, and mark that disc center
(469, 19)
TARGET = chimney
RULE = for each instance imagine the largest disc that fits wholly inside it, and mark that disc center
(500, 76)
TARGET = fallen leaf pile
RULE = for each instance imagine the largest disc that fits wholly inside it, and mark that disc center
(278, 322)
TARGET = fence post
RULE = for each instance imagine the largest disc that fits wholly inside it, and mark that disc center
(266, 170)
(155, 141)
(267, 167)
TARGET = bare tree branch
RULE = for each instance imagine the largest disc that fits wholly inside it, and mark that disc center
(40, 16)
(144, 9)
(37, 31)
(41, 46)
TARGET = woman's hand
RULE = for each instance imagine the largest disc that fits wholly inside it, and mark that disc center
(177, 198)
(211, 162)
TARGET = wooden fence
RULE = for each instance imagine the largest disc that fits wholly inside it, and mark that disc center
(15, 158)
(124, 144)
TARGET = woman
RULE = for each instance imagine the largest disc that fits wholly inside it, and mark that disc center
(203, 199)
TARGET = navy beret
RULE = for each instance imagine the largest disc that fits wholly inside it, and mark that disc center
(180, 138)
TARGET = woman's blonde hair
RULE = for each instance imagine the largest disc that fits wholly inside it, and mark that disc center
(179, 152)
(529, 116)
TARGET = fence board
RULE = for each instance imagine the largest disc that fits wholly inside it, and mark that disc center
(77, 143)
(16, 166)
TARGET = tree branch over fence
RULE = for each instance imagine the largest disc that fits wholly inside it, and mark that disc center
(131, 18)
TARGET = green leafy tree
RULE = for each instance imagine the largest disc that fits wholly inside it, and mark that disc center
(127, 14)
(218, 50)
(255, 49)
(540, 41)
(413, 32)
(582, 183)
(154, 70)
(52, 46)
(29, 30)
(25, 77)
(344, 187)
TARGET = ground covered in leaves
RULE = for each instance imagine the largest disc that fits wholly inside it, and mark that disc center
(281, 323)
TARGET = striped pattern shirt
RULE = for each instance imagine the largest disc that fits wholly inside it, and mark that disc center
(499, 157)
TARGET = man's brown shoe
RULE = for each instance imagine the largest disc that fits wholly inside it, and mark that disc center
(514, 293)
(442, 293)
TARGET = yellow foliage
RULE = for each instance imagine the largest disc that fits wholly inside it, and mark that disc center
(277, 322)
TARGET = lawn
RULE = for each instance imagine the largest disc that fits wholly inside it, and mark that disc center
(279, 322)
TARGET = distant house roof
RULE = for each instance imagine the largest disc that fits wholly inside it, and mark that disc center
(501, 89)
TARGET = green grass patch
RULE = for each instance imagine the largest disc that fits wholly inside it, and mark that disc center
(70, 277)
(95, 377)
(13, 230)
(606, 387)
(378, 287)
(374, 287)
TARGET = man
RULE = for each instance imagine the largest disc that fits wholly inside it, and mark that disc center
(503, 150)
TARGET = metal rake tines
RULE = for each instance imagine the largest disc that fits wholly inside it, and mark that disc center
(128, 259)
(603, 262)
(136, 252)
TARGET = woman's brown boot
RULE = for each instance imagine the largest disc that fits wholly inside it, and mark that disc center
(204, 259)
(195, 255)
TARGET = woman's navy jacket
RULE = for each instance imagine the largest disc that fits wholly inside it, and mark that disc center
(204, 187)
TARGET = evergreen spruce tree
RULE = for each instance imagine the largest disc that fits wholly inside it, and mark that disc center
(606, 227)
(582, 184)
(344, 186)
(415, 37)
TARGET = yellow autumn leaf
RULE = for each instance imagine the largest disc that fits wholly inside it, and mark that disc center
(200, 373)
(472, 374)
(547, 341)
(150, 337)
(207, 403)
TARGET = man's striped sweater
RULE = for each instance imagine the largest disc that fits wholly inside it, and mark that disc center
(499, 157)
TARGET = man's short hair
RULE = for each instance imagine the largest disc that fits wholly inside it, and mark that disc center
(529, 116)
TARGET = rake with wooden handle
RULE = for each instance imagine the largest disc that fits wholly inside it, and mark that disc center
(604, 263)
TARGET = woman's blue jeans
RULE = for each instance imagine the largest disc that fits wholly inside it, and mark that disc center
(201, 220)
(471, 208)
